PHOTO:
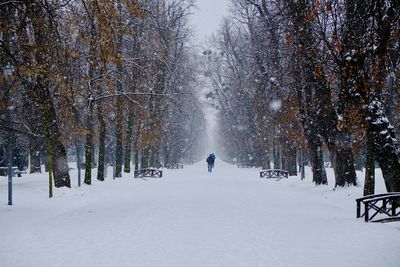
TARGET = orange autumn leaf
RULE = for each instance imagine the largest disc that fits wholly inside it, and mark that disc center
(318, 71)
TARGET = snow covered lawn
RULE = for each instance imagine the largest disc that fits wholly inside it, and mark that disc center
(191, 218)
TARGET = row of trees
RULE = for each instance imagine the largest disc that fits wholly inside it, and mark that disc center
(310, 76)
(114, 81)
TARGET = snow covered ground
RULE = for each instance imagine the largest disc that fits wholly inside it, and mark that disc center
(191, 218)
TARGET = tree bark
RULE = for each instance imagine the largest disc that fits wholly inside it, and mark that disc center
(136, 156)
(89, 147)
(119, 144)
(144, 163)
(50, 161)
(136, 148)
(343, 162)
(290, 160)
(369, 184)
(155, 157)
(102, 146)
(59, 153)
(34, 154)
(41, 93)
(317, 160)
(119, 103)
(303, 165)
(266, 161)
(364, 76)
(277, 156)
(323, 114)
(359, 160)
(385, 146)
(304, 69)
(151, 157)
(128, 144)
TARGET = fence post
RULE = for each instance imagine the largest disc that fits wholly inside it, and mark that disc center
(394, 206)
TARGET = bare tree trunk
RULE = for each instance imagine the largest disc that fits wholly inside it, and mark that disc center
(156, 163)
(151, 157)
(266, 161)
(119, 145)
(128, 144)
(136, 156)
(89, 147)
(304, 69)
(50, 161)
(136, 148)
(144, 163)
(119, 103)
(303, 165)
(343, 162)
(59, 153)
(41, 92)
(34, 154)
(102, 139)
(364, 78)
(44, 159)
(290, 160)
(277, 156)
(359, 160)
(369, 185)
(385, 146)
(317, 160)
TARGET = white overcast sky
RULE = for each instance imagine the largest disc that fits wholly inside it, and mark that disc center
(206, 19)
(208, 15)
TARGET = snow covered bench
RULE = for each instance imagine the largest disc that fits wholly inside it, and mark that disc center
(373, 205)
(273, 173)
(19, 173)
(15, 171)
(152, 173)
(174, 166)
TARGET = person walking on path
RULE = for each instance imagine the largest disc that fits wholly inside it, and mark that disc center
(210, 162)
(213, 159)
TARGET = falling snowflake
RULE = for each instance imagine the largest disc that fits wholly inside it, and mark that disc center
(276, 105)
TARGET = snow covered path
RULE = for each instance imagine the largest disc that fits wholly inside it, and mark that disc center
(191, 218)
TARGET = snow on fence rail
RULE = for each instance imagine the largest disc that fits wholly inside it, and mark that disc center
(152, 173)
(383, 204)
(274, 173)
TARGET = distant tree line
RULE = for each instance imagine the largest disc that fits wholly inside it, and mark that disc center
(293, 78)
(113, 81)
